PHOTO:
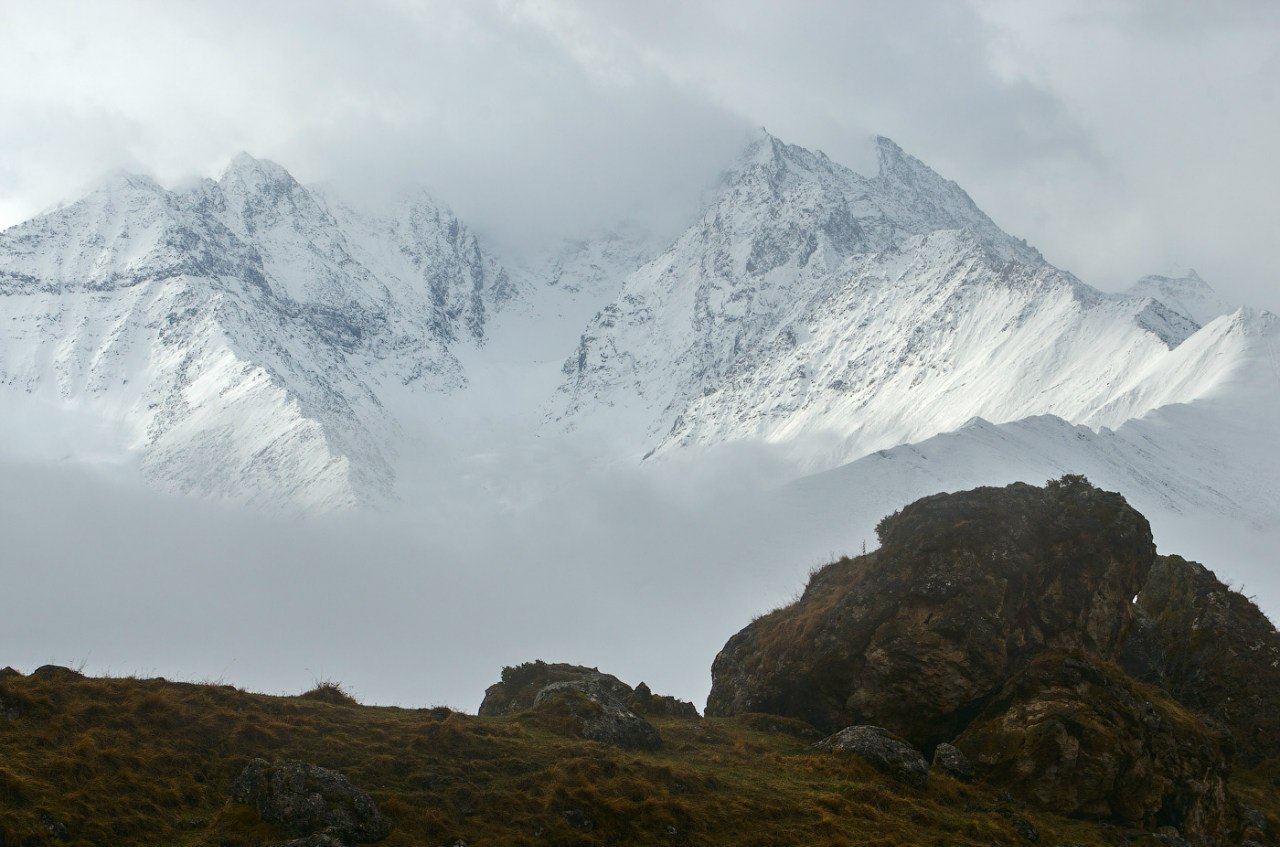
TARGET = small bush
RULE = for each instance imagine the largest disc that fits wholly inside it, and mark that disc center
(328, 691)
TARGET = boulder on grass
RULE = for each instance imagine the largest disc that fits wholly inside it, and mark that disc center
(520, 685)
(308, 801)
(582, 702)
(587, 708)
(883, 750)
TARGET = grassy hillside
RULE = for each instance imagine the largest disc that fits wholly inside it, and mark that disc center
(149, 762)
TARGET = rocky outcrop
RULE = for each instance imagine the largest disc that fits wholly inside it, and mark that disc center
(1212, 649)
(315, 804)
(883, 750)
(521, 684)
(1079, 737)
(1036, 631)
(590, 710)
(583, 702)
(964, 591)
(645, 702)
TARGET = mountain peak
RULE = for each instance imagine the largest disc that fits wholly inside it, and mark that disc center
(899, 166)
(250, 172)
(888, 147)
(762, 148)
(1188, 295)
(122, 180)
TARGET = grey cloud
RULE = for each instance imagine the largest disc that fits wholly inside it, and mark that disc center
(425, 606)
(1121, 138)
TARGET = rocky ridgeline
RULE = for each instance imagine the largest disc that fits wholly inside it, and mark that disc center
(997, 630)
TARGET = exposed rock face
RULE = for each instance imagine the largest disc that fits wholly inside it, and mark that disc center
(965, 589)
(645, 702)
(1002, 621)
(583, 702)
(520, 685)
(310, 802)
(1080, 737)
(594, 713)
(885, 751)
(1212, 649)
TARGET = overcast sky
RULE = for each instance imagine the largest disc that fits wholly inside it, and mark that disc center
(1120, 138)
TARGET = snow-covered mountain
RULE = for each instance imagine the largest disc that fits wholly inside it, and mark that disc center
(1203, 472)
(834, 314)
(253, 340)
(238, 336)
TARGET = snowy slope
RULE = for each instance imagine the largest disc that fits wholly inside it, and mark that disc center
(254, 340)
(836, 314)
(236, 336)
(1203, 472)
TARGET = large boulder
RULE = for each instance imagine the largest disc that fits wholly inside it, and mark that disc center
(883, 750)
(1077, 736)
(964, 590)
(1212, 649)
(643, 701)
(521, 684)
(305, 800)
(582, 702)
(587, 708)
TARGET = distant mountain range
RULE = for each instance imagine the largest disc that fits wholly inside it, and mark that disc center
(256, 341)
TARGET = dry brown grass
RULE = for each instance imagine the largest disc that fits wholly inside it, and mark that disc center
(148, 762)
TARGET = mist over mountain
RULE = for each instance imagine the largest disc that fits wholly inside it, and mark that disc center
(820, 344)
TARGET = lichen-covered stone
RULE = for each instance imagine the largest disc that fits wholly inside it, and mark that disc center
(883, 750)
(592, 711)
(584, 703)
(520, 685)
(306, 800)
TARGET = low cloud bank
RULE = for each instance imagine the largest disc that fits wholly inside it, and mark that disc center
(496, 559)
